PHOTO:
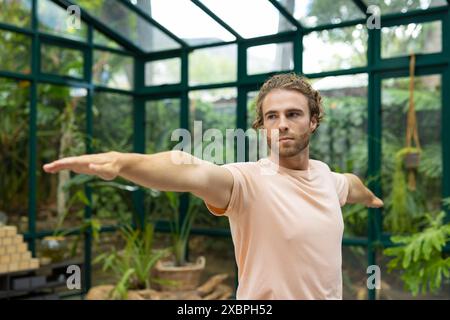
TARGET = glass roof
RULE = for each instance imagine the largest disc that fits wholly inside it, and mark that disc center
(101, 39)
(312, 13)
(264, 17)
(393, 6)
(187, 21)
(180, 21)
(129, 25)
(52, 19)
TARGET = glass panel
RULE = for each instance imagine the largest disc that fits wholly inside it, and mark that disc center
(311, 13)
(237, 14)
(270, 57)
(73, 252)
(219, 254)
(113, 70)
(108, 109)
(61, 61)
(251, 107)
(14, 110)
(354, 276)
(390, 6)
(167, 71)
(113, 204)
(214, 109)
(251, 117)
(213, 65)
(15, 51)
(418, 38)
(107, 242)
(179, 21)
(335, 49)
(16, 12)
(162, 118)
(101, 39)
(129, 25)
(404, 208)
(113, 242)
(60, 133)
(341, 139)
(53, 19)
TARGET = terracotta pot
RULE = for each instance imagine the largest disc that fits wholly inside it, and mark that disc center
(181, 278)
(412, 160)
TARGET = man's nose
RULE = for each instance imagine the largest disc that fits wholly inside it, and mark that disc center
(283, 124)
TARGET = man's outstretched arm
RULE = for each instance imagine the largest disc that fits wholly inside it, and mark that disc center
(165, 171)
(359, 193)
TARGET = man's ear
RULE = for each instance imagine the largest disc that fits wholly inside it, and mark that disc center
(313, 124)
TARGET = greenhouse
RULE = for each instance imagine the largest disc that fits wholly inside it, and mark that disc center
(115, 77)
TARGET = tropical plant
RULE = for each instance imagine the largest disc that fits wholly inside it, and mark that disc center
(73, 207)
(92, 225)
(13, 145)
(132, 266)
(180, 230)
(420, 256)
(78, 197)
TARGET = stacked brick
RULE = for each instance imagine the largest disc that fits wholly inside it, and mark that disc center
(14, 254)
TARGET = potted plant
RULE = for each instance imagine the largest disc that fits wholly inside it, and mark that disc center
(179, 273)
(53, 248)
(402, 204)
(132, 266)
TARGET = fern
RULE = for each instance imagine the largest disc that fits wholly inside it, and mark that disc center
(420, 256)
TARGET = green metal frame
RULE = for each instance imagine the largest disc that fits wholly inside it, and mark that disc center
(376, 69)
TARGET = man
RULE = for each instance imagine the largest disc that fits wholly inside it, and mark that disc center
(286, 227)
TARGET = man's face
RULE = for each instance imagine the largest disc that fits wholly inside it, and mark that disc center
(287, 112)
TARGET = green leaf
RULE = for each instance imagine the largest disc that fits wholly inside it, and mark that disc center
(407, 257)
(82, 197)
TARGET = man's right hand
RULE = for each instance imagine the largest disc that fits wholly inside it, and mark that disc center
(104, 165)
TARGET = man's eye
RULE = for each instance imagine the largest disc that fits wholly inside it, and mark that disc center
(294, 114)
(271, 116)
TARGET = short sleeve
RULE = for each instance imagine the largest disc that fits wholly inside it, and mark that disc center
(342, 187)
(236, 203)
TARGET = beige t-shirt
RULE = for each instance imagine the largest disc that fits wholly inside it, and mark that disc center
(287, 230)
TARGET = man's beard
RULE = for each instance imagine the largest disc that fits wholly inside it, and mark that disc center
(295, 147)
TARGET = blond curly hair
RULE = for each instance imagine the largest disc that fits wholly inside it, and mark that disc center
(290, 81)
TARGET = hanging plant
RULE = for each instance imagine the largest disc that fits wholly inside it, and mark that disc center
(412, 159)
(406, 168)
(399, 217)
(411, 155)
